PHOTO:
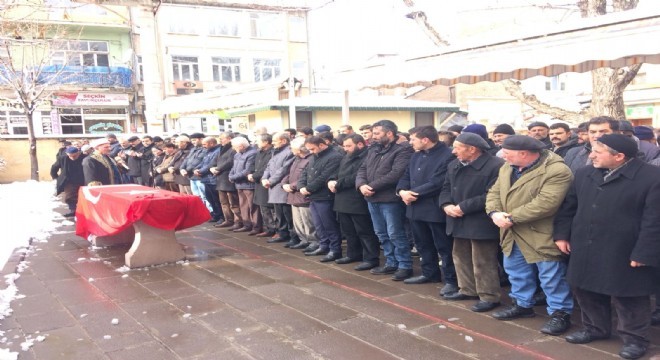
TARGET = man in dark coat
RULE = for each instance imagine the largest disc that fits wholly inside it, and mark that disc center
(243, 166)
(185, 146)
(70, 177)
(99, 168)
(302, 215)
(226, 189)
(539, 131)
(314, 184)
(352, 210)
(609, 225)
(133, 160)
(203, 171)
(265, 153)
(377, 179)
(598, 126)
(562, 141)
(189, 165)
(146, 156)
(476, 238)
(419, 188)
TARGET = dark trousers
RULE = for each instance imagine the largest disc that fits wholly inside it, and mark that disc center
(327, 228)
(361, 240)
(285, 228)
(214, 199)
(430, 239)
(633, 313)
(268, 217)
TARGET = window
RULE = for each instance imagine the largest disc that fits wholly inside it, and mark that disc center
(184, 21)
(139, 69)
(266, 26)
(266, 69)
(226, 69)
(81, 53)
(71, 121)
(13, 123)
(185, 68)
(297, 28)
(423, 118)
(224, 23)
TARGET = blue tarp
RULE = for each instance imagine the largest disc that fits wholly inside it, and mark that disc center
(96, 76)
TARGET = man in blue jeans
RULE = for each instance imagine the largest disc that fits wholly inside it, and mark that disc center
(377, 178)
(523, 202)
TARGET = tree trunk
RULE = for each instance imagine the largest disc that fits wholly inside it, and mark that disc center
(32, 139)
(608, 84)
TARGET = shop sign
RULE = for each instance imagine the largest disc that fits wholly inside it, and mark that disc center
(89, 99)
(639, 111)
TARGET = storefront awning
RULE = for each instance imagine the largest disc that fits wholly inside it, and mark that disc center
(218, 100)
(614, 40)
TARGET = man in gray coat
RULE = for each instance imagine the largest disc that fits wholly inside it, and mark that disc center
(277, 168)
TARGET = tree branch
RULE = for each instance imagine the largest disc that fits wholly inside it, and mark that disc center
(628, 76)
(513, 87)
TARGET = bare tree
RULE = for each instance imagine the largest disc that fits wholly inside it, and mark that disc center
(27, 74)
(608, 84)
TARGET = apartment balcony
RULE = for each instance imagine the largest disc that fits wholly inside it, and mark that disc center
(83, 76)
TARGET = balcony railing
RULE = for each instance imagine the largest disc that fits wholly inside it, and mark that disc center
(92, 76)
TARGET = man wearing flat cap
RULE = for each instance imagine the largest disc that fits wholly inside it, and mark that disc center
(609, 225)
(476, 238)
(522, 203)
(539, 131)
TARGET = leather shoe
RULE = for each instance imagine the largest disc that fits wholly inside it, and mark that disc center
(291, 243)
(345, 260)
(236, 226)
(318, 252)
(584, 336)
(514, 312)
(311, 248)
(384, 270)
(420, 280)
(330, 257)
(277, 240)
(559, 322)
(655, 317)
(632, 351)
(224, 224)
(265, 234)
(365, 266)
(243, 229)
(457, 296)
(402, 274)
(483, 306)
(300, 245)
(448, 289)
(253, 232)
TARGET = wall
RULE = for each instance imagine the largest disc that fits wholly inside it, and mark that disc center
(17, 159)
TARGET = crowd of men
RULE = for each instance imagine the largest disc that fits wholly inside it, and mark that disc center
(569, 213)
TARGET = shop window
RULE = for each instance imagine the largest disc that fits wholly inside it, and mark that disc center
(423, 118)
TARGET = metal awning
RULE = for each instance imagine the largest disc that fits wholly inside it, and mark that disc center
(335, 102)
(218, 100)
(614, 40)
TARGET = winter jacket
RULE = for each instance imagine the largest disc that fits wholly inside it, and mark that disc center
(295, 172)
(277, 168)
(315, 176)
(260, 163)
(382, 169)
(348, 199)
(532, 201)
(243, 165)
(224, 163)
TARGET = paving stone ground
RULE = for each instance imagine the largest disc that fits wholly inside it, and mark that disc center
(237, 297)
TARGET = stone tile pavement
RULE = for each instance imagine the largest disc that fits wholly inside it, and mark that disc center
(239, 298)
